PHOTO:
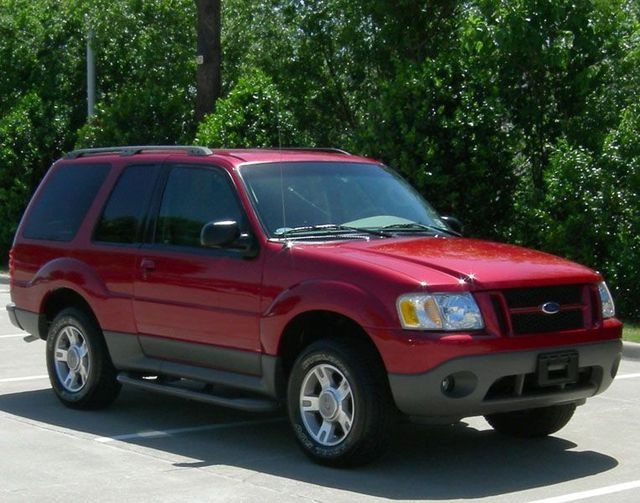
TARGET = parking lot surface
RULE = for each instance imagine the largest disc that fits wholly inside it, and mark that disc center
(148, 447)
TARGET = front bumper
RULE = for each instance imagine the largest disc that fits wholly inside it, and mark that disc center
(503, 382)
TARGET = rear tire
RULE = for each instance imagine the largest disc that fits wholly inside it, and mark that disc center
(339, 403)
(532, 423)
(80, 369)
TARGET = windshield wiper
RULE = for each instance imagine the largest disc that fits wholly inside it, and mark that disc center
(416, 227)
(331, 229)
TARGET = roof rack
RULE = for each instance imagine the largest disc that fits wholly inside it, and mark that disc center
(314, 149)
(128, 151)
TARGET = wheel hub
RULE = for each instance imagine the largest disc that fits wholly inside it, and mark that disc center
(73, 358)
(328, 405)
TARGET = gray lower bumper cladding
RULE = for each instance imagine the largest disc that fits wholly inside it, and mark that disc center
(503, 382)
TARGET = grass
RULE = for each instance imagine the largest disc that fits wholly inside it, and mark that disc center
(631, 332)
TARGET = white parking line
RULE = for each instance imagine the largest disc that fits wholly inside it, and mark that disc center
(627, 376)
(583, 495)
(9, 336)
(27, 378)
(178, 431)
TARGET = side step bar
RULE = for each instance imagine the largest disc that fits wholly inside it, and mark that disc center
(249, 404)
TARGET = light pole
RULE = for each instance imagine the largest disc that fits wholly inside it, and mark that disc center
(91, 70)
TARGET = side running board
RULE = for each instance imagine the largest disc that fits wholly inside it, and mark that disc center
(249, 404)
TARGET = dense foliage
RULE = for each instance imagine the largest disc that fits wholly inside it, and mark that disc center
(145, 67)
(520, 117)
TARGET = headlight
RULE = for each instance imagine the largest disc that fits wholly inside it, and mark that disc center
(439, 311)
(606, 301)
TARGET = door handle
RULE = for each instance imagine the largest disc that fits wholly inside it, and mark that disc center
(146, 266)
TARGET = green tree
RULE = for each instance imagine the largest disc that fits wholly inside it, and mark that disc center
(146, 74)
(22, 131)
(254, 113)
(518, 116)
(145, 66)
(38, 54)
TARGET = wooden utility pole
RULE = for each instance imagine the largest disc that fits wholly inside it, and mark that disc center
(209, 57)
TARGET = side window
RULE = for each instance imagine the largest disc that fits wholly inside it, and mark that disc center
(194, 196)
(63, 202)
(122, 219)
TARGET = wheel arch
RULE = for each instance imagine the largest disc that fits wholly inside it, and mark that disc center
(68, 282)
(310, 326)
(58, 300)
(340, 298)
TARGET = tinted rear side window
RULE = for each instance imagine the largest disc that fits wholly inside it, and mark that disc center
(123, 217)
(63, 202)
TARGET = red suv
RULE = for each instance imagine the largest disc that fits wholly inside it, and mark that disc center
(313, 278)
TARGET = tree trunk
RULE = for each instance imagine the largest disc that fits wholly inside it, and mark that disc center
(209, 57)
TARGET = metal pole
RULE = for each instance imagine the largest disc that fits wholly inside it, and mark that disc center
(91, 72)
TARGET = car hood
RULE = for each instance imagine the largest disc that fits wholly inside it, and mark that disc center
(479, 263)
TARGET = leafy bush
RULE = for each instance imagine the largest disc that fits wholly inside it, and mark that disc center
(23, 132)
(440, 125)
(520, 118)
(254, 114)
(621, 161)
(145, 69)
(146, 115)
(40, 57)
(591, 209)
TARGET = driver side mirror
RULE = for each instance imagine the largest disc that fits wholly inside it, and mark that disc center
(226, 234)
(219, 234)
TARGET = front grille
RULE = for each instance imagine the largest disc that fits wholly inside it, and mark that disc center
(530, 323)
(528, 297)
(524, 309)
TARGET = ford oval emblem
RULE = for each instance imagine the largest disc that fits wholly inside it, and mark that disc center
(550, 308)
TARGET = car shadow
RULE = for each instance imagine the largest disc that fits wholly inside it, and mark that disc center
(425, 462)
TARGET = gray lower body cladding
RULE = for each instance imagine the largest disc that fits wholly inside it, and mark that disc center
(33, 323)
(242, 370)
(503, 382)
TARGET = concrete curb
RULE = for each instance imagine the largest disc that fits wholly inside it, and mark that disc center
(630, 350)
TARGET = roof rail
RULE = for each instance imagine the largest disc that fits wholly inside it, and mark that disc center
(315, 149)
(128, 151)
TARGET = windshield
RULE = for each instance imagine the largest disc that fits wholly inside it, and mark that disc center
(306, 197)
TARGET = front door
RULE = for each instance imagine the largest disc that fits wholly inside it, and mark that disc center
(195, 304)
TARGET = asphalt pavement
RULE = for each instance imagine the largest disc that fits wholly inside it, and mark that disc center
(149, 447)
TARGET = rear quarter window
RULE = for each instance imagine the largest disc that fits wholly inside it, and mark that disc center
(62, 203)
(123, 217)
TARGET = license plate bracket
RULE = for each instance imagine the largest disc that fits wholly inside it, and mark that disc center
(555, 369)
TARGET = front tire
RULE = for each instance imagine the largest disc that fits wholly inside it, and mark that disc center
(79, 366)
(532, 423)
(339, 403)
